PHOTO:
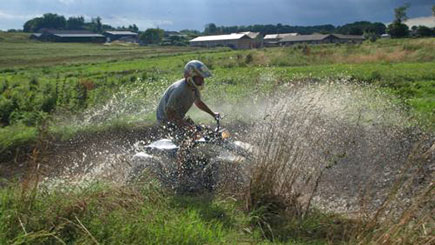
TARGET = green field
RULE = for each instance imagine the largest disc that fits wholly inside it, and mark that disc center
(55, 91)
(18, 51)
(40, 80)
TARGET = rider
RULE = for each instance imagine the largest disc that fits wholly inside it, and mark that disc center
(177, 100)
(181, 95)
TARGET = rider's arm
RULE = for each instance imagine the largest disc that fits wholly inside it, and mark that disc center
(202, 106)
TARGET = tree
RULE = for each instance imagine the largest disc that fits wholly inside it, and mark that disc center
(372, 36)
(400, 13)
(75, 23)
(32, 25)
(397, 29)
(210, 29)
(152, 36)
(379, 28)
(361, 27)
(133, 28)
(424, 31)
(106, 27)
(48, 20)
(54, 21)
(96, 25)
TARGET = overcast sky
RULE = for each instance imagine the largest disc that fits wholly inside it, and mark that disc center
(194, 14)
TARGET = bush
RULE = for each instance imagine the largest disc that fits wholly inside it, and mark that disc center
(28, 118)
(6, 108)
(424, 31)
(398, 30)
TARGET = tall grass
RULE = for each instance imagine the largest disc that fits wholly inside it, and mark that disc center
(114, 215)
(321, 145)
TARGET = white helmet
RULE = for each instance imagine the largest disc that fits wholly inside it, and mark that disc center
(196, 68)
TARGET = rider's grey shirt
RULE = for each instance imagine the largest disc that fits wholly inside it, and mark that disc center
(179, 97)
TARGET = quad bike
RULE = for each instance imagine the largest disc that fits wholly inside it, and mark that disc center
(213, 161)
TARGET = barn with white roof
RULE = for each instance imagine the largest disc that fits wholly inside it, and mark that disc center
(245, 40)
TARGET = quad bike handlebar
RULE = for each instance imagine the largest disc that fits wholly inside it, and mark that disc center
(210, 135)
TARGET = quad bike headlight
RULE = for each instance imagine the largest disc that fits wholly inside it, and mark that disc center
(225, 134)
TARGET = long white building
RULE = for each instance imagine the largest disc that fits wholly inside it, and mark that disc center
(243, 40)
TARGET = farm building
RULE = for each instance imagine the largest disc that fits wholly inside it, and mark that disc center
(244, 40)
(68, 36)
(258, 39)
(272, 39)
(320, 39)
(126, 36)
(349, 38)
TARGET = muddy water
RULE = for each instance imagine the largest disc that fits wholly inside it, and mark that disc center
(88, 158)
(348, 142)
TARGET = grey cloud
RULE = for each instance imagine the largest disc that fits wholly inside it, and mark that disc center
(194, 14)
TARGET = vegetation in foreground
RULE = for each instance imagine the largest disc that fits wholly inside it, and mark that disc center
(110, 93)
(145, 215)
(264, 210)
(270, 206)
(148, 215)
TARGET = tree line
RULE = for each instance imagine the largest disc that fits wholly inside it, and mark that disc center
(59, 22)
(370, 30)
(396, 29)
(356, 28)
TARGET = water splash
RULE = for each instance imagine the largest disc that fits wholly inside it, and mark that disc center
(351, 135)
(336, 144)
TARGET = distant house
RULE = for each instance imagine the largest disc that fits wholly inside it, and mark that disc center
(245, 40)
(311, 39)
(126, 36)
(320, 39)
(272, 39)
(50, 35)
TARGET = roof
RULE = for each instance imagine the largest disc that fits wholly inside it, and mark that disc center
(251, 34)
(281, 35)
(355, 37)
(68, 33)
(302, 38)
(79, 35)
(232, 36)
(121, 33)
